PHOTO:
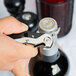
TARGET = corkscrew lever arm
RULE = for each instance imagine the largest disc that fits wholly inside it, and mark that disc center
(45, 39)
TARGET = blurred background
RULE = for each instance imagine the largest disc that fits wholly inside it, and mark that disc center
(67, 43)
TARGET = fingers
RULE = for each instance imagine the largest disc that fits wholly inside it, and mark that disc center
(11, 50)
(26, 51)
(7, 67)
(59, 47)
(21, 67)
(10, 25)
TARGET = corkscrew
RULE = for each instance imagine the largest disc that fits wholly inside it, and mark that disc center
(35, 39)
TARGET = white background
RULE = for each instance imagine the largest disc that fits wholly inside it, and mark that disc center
(68, 43)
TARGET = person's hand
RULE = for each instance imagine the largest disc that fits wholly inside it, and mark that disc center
(14, 56)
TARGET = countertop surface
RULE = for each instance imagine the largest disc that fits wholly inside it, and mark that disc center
(68, 42)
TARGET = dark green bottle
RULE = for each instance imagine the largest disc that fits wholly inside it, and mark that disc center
(53, 61)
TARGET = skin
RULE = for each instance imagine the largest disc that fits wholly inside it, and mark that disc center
(14, 56)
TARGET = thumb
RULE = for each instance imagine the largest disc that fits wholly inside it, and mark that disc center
(11, 25)
(21, 68)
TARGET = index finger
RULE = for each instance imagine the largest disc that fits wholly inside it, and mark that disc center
(11, 25)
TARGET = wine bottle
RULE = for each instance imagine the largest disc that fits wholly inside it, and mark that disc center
(30, 19)
(52, 61)
(14, 7)
(55, 1)
(60, 10)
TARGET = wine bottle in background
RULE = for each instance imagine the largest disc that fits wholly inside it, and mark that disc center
(55, 1)
(30, 19)
(60, 10)
(50, 61)
(14, 7)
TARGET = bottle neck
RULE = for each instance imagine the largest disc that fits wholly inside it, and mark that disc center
(53, 50)
(52, 58)
(51, 54)
(49, 25)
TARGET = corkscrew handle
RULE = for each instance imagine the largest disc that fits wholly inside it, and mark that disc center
(35, 39)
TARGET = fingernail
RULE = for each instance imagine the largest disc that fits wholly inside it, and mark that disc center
(25, 27)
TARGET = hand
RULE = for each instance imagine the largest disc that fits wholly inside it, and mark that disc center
(14, 56)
